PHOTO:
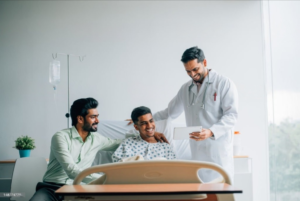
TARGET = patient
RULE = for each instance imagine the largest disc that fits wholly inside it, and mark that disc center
(144, 145)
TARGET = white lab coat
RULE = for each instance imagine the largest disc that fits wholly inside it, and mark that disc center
(219, 115)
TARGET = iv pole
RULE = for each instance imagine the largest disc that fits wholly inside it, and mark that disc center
(54, 56)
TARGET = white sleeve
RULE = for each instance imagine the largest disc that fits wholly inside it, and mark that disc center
(229, 105)
(174, 109)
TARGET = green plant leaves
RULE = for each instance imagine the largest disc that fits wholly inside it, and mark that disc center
(24, 142)
(284, 152)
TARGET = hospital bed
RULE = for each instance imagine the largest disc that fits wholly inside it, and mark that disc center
(158, 172)
(181, 171)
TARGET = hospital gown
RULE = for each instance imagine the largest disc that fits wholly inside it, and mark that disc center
(134, 146)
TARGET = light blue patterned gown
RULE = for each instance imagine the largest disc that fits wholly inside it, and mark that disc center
(134, 146)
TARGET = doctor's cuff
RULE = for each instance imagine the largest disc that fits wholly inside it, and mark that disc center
(213, 135)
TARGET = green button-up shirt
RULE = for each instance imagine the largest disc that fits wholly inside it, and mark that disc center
(70, 155)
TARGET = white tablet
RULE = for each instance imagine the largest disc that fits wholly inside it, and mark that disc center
(183, 133)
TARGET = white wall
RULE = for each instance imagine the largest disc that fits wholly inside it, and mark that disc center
(133, 58)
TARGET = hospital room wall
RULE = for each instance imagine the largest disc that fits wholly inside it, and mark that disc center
(133, 58)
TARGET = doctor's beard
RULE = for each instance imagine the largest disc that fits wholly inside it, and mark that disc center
(201, 75)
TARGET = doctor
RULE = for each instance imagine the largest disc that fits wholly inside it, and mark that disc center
(209, 100)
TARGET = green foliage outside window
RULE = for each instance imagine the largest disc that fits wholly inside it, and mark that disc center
(24, 142)
(284, 151)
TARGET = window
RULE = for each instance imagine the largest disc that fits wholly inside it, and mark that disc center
(282, 36)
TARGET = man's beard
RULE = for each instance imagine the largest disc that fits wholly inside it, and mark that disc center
(202, 76)
(89, 128)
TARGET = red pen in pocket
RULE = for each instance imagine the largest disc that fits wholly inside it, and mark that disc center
(215, 96)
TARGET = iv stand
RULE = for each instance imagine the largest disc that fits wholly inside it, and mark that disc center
(54, 56)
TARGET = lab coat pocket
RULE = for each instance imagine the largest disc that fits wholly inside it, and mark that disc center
(213, 101)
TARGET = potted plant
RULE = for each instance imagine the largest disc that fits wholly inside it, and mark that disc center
(24, 144)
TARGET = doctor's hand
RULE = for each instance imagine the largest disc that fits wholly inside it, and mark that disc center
(203, 135)
(160, 137)
(130, 121)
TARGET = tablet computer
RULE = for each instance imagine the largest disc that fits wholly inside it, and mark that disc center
(183, 133)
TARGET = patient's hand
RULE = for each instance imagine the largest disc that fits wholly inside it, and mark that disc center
(130, 121)
(160, 137)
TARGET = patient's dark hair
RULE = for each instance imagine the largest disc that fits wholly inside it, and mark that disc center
(80, 107)
(139, 111)
(193, 53)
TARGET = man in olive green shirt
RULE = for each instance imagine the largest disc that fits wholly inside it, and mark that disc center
(74, 149)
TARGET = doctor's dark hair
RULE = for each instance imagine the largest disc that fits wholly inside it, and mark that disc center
(191, 54)
(80, 107)
(139, 111)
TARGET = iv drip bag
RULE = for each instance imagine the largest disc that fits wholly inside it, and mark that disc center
(54, 73)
